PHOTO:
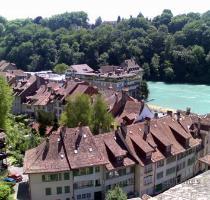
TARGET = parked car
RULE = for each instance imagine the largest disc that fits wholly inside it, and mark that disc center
(10, 180)
(3, 156)
(16, 177)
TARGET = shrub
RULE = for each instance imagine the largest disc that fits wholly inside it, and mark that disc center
(5, 191)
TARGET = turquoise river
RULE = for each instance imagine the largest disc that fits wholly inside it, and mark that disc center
(180, 96)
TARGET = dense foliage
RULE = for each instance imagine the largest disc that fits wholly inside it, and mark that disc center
(116, 194)
(169, 48)
(5, 191)
(143, 90)
(5, 102)
(60, 68)
(19, 138)
(81, 110)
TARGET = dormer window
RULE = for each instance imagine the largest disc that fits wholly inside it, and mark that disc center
(187, 142)
(168, 149)
(148, 155)
(119, 159)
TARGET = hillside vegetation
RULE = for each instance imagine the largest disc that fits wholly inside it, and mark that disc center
(169, 48)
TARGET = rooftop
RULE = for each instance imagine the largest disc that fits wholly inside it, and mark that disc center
(72, 148)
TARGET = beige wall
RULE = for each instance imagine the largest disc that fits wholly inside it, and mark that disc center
(38, 187)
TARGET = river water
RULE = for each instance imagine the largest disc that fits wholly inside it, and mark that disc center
(180, 96)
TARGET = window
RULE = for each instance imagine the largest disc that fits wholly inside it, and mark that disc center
(116, 173)
(67, 189)
(84, 196)
(83, 184)
(59, 190)
(169, 183)
(191, 161)
(148, 168)
(108, 187)
(132, 169)
(97, 169)
(51, 177)
(66, 176)
(170, 170)
(97, 182)
(48, 191)
(160, 163)
(171, 159)
(159, 175)
(122, 172)
(147, 180)
(180, 156)
(127, 182)
(83, 171)
(180, 166)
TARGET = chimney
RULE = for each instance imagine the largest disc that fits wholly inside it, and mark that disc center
(199, 124)
(178, 116)
(47, 143)
(62, 132)
(124, 96)
(156, 115)
(188, 110)
(79, 137)
(146, 128)
(169, 113)
(80, 129)
(124, 128)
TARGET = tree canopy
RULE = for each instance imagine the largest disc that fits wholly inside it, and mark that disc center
(81, 110)
(116, 194)
(60, 68)
(170, 48)
(5, 102)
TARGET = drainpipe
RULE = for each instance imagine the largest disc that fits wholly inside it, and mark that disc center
(155, 177)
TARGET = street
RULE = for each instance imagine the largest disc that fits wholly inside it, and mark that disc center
(22, 188)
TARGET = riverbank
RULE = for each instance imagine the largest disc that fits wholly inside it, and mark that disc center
(156, 108)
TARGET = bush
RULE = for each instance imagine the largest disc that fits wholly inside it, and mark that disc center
(5, 191)
(17, 159)
(116, 194)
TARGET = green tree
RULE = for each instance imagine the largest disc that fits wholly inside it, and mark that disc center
(155, 67)
(102, 120)
(5, 102)
(168, 71)
(143, 90)
(98, 22)
(5, 191)
(116, 194)
(20, 138)
(60, 68)
(146, 68)
(45, 119)
(103, 59)
(78, 110)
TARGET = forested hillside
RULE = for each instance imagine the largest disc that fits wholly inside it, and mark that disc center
(169, 48)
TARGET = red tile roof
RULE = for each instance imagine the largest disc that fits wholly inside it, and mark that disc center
(130, 144)
(59, 154)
